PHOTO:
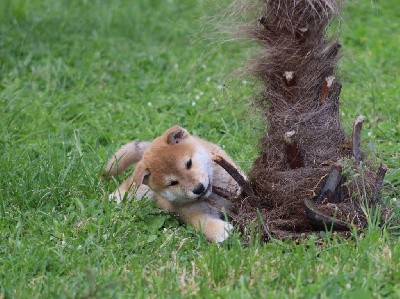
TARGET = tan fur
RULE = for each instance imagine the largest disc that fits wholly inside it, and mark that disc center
(127, 155)
(163, 173)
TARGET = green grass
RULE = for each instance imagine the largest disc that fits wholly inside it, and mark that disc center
(80, 78)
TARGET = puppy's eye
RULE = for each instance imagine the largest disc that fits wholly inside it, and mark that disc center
(189, 164)
(173, 183)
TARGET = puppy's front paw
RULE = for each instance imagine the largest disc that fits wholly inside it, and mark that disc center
(218, 230)
(115, 197)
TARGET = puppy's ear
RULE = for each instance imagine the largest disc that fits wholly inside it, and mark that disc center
(141, 175)
(176, 134)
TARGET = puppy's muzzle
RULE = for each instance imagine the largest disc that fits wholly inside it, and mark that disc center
(200, 188)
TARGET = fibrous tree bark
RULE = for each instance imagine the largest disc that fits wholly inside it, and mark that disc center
(297, 183)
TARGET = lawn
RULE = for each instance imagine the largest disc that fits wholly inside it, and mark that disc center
(80, 78)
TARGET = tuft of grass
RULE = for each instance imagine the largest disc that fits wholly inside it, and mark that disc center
(80, 78)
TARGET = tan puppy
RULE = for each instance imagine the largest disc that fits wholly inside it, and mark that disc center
(176, 169)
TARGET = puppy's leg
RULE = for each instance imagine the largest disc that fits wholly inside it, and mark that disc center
(219, 202)
(206, 218)
(128, 188)
(127, 155)
(165, 204)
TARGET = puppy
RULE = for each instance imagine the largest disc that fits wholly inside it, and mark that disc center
(177, 170)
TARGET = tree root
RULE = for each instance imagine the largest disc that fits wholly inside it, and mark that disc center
(322, 221)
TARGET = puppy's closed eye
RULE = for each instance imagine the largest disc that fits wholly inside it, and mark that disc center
(173, 183)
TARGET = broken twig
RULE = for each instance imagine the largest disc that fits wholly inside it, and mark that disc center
(289, 79)
(326, 87)
(332, 50)
(263, 21)
(357, 154)
(296, 159)
(301, 32)
(235, 174)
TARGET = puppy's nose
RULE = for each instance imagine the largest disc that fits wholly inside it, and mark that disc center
(199, 189)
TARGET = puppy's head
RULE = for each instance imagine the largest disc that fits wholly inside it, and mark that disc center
(176, 167)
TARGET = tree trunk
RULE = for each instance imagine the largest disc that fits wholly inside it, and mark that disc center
(297, 183)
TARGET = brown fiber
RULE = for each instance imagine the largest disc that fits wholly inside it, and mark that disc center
(304, 136)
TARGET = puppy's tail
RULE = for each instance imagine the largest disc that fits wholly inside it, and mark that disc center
(127, 155)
